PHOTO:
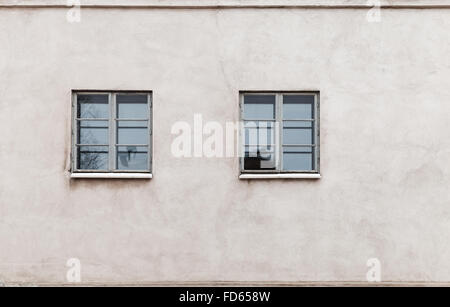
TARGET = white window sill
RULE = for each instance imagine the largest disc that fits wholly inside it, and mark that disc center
(279, 176)
(112, 175)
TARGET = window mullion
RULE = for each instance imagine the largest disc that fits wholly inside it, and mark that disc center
(279, 123)
(112, 132)
(297, 161)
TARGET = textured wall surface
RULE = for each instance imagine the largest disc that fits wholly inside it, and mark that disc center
(385, 154)
(221, 2)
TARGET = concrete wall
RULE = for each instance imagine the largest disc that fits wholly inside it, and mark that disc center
(385, 146)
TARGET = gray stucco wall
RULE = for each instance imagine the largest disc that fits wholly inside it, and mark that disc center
(385, 146)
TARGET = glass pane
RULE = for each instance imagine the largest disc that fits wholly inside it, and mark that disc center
(265, 162)
(132, 106)
(132, 158)
(130, 123)
(298, 106)
(259, 158)
(298, 124)
(92, 132)
(296, 160)
(132, 132)
(292, 135)
(259, 133)
(92, 158)
(259, 107)
(92, 106)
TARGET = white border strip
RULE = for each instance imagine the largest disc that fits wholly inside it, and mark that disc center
(111, 175)
(237, 284)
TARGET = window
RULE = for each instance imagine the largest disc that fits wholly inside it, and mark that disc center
(111, 132)
(280, 133)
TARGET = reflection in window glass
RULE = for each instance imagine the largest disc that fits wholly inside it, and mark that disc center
(297, 132)
(92, 106)
(132, 158)
(259, 158)
(259, 140)
(111, 137)
(93, 132)
(92, 157)
(290, 142)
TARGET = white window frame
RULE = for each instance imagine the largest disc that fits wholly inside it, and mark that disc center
(112, 171)
(278, 172)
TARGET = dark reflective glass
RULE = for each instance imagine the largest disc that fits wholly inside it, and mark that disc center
(298, 106)
(93, 132)
(92, 106)
(92, 158)
(132, 158)
(259, 107)
(259, 158)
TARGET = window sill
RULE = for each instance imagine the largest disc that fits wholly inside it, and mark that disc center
(112, 175)
(279, 176)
